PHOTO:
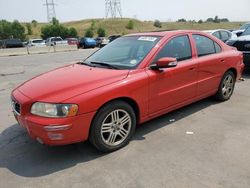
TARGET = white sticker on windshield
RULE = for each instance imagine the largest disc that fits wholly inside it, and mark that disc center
(133, 61)
(151, 39)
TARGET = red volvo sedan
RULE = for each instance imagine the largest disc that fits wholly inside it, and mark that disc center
(131, 80)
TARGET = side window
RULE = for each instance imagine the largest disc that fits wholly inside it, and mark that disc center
(217, 47)
(217, 34)
(178, 47)
(224, 36)
(205, 46)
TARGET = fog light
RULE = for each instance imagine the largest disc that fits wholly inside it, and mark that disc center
(53, 136)
(57, 127)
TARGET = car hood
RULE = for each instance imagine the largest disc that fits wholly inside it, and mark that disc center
(244, 38)
(69, 81)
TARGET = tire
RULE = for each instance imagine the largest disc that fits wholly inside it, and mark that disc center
(226, 87)
(113, 126)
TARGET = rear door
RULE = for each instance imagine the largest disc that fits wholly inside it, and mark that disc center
(171, 86)
(211, 64)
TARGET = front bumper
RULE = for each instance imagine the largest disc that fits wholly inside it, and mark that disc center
(52, 131)
(57, 131)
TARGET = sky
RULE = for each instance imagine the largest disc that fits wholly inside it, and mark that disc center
(163, 10)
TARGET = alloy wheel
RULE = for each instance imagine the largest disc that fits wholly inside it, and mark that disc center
(116, 127)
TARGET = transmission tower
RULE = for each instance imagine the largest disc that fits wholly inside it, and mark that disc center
(113, 8)
(51, 13)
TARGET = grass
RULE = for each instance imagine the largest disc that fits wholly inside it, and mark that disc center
(118, 26)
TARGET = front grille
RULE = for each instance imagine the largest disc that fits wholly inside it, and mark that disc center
(242, 45)
(16, 107)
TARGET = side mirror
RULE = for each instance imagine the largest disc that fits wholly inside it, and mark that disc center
(165, 62)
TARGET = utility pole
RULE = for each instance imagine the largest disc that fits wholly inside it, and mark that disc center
(51, 13)
(113, 8)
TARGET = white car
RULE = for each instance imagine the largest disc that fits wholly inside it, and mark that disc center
(222, 34)
(36, 42)
(52, 41)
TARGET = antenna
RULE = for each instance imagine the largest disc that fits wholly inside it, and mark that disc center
(113, 8)
(51, 13)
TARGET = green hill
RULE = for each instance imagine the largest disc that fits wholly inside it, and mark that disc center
(118, 26)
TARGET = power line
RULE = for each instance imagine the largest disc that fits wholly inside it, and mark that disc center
(51, 12)
(113, 8)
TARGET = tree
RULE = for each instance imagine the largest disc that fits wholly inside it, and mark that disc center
(57, 29)
(55, 21)
(200, 21)
(182, 20)
(157, 23)
(101, 32)
(224, 20)
(11, 30)
(210, 20)
(18, 31)
(5, 29)
(72, 32)
(89, 33)
(130, 25)
(34, 23)
(216, 19)
(29, 29)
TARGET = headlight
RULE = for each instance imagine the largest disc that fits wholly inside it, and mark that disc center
(54, 110)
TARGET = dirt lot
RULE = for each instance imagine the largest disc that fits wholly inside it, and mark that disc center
(161, 153)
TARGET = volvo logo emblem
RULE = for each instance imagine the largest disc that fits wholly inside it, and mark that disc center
(247, 46)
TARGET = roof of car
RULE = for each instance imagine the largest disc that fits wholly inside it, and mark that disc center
(164, 33)
(35, 39)
(212, 31)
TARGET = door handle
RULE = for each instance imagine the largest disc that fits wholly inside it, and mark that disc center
(191, 68)
(222, 60)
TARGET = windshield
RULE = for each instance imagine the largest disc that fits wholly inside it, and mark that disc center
(125, 52)
(246, 32)
(245, 26)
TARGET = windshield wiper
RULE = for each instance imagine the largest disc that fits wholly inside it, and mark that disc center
(83, 63)
(104, 64)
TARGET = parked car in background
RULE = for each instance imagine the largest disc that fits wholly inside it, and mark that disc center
(222, 34)
(245, 26)
(36, 42)
(113, 37)
(1, 44)
(130, 81)
(25, 43)
(52, 41)
(72, 41)
(101, 41)
(242, 43)
(87, 43)
(239, 31)
(12, 43)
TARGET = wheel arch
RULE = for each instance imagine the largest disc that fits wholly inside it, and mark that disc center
(128, 100)
(233, 70)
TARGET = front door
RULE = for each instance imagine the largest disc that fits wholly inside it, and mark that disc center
(172, 86)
